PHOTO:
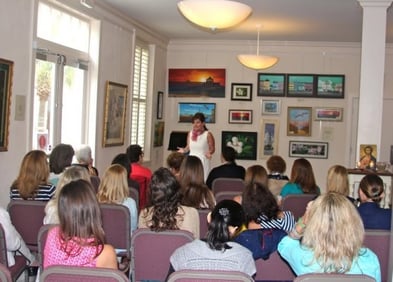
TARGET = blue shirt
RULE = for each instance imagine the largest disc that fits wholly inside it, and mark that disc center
(375, 217)
(293, 188)
(300, 257)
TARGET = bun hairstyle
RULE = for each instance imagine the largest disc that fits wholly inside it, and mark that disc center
(372, 187)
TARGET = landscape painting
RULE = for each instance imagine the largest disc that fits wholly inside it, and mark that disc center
(196, 83)
(188, 110)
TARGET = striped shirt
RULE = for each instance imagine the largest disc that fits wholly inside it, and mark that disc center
(44, 192)
(286, 223)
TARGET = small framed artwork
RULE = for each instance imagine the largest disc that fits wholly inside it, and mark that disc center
(303, 149)
(271, 107)
(160, 104)
(6, 76)
(269, 138)
(187, 110)
(115, 114)
(271, 84)
(300, 85)
(159, 127)
(367, 156)
(244, 143)
(240, 116)
(330, 86)
(299, 121)
(328, 114)
(241, 91)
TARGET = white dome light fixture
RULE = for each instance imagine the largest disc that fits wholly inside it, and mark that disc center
(257, 62)
(214, 14)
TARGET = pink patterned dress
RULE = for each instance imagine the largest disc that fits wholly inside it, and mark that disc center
(54, 253)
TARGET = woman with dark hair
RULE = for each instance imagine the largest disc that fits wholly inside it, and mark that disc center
(32, 182)
(164, 210)
(302, 179)
(200, 142)
(123, 160)
(59, 159)
(79, 239)
(218, 252)
(195, 193)
(276, 178)
(371, 192)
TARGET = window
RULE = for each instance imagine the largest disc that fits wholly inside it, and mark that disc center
(139, 95)
(61, 71)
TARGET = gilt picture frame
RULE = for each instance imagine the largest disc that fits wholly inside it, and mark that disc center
(6, 77)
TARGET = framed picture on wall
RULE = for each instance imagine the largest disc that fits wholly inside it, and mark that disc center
(241, 91)
(305, 149)
(271, 84)
(328, 114)
(271, 107)
(300, 85)
(269, 138)
(244, 143)
(299, 121)
(6, 73)
(330, 86)
(187, 110)
(240, 116)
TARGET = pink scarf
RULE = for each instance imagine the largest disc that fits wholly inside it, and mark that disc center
(195, 134)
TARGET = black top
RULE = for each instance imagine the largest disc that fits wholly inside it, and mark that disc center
(229, 170)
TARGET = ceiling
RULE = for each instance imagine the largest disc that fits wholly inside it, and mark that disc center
(280, 20)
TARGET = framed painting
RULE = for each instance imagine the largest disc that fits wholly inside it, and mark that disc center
(269, 135)
(299, 121)
(241, 91)
(159, 127)
(187, 110)
(240, 116)
(6, 75)
(271, 84)
(330, 86)
(367, 156)
(271, 107)
(114, 114)
(196, 83)
(300, 85)
(303, 149)
(244, 143)
(328, 114)
(160, 104)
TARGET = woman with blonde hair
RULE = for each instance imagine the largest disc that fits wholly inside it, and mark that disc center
(332, 234)
(337, 181)
(71, 173)
(113, 189)
(32, 182)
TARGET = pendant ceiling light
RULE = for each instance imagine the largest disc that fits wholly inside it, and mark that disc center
(214, 14)
(257, 62)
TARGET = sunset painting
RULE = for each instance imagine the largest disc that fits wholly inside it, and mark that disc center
(196, 83)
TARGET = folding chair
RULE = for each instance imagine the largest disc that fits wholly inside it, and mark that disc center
(227, 184)
(226, 195)
(273, 269)
(208, 276)
(328, 277)
(203, 224)
(20, 261)
(27, 217)
(297, 204)
(42, 235)
(151, 252)
(85, 274)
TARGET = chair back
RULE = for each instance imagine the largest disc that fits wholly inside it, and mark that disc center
(328, 277)
(226, 195)
(227, 184)
(143, 189)
(208, 276)
(42, 235)
(133, 193)
(20, 261)
(27, 217)
(5, 275)
(151, 252)
(379, 242)
(203, 224)
(274, 268)
(78, 273)
(117, 226)
(297, 204)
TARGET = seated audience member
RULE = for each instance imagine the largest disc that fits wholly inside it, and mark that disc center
(113, 189)
(84, 157)
(266, 224)
(164, 211)
(331, 233)
(59, 159)
(79, 239)
(32, 182)
(302, 179)
(123, 160)
(192, 186)
(254, 174)
(218, 252)
(337, 181)
(371, 192)
(276, 177)
(174, 161)
(13, 241)
(229, 168)
(71, 173)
